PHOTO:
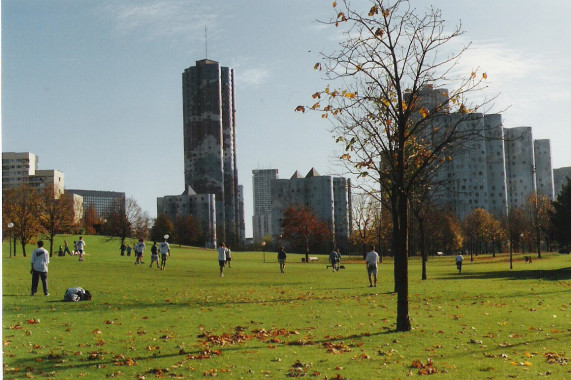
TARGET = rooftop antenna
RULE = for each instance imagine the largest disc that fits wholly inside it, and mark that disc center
(206, 40)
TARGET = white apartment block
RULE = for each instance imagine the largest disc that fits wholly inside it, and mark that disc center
(262, 186)
(22, 168)
(520, 167)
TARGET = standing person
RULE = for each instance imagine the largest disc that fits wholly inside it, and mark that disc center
(80, 247)
(282, 259)
(228, 256)
(139, 249)
(154, 254)
(221, 257)
(128, 250)
(123, 248)
(74, 247)
(371, 261)
(333, 259)
(40, 260)
(165, 251)
(459, 260)
(66, 248)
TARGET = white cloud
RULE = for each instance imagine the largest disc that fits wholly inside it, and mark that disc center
(159, 19)
(252, 77)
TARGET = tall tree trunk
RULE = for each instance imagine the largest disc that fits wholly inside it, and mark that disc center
(423, 252)
(401, 264)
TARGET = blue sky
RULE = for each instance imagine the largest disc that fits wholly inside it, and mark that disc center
(94, 87)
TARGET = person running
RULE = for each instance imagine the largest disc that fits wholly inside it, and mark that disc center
(154, 254)
(80, 247)
(221, 257)
(40, 260)
(165, 251)
(459, 260)
(66, 248)
(371, 261)
(282, 259)
(139, 249)
(228, 256)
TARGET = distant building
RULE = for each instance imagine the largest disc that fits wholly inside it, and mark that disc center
(102, 201)
(210, 168)
(22, 169)
(543, 170)
(520, 167)
(560, 178)
(329, 197)
(262, 189)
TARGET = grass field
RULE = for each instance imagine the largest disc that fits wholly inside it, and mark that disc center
(187, 322)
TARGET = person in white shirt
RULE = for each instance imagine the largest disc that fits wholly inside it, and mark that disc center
(139, 249)
(80, 247)
(221, 257)
(40, 261)
(165, 250)
(371, 261)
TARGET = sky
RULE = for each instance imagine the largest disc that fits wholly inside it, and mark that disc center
(94, 87)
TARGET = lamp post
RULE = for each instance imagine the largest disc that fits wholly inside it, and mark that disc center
(10, 225)
(264, 250)
(522, 245)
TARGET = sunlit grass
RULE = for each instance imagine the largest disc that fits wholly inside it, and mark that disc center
(488, 322)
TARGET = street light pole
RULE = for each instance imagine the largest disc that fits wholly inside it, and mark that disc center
(10, 225)
(264, 250)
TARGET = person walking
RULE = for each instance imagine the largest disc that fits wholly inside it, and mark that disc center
(139, 249)
(165, 251)
(154, 255)
(221, 257)
(371, 261)
(459, 260)
(40, 260)
(228, 256)
(282, 258)
(123, 247)
(66, 248)
(80, 247)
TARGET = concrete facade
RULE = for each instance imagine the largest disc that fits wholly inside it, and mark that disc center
(262, 192)
(200, 206)
(210, 169)
(543, 170)
(22, 169)
(102, 201)
(560, 178)
(519, 165)
(328, 197)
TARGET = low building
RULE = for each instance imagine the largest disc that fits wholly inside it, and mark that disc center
(102, 201)
(22, 169)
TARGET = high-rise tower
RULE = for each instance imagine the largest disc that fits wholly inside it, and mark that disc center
(210, 143)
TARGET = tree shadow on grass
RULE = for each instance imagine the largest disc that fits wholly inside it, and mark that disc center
(562, 274)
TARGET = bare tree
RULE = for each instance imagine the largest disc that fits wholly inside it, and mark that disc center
(126, 219)
(392, 131)
(57, 215)
(540, 210)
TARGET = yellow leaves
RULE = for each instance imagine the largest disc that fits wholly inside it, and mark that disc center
(350, 95)
(33, 321)
(379, 33)
(424, 369)
(485, 76)
(316, 95)
(374, 10)
(315, 106)
(317, 66)
(334, 4)
(341, 16)
(345, 156)
(423, 112)
(324, 116)
(300, 109)
(386, 13)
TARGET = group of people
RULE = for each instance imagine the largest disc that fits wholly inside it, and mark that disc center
(78, 248)
(224, 257)
(335, 259)
(139, 248)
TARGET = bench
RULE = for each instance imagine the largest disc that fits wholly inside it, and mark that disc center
(311, 259)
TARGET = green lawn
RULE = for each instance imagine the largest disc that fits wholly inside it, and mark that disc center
(187, 322)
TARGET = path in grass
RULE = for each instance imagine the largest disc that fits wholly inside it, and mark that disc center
(488, 322)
